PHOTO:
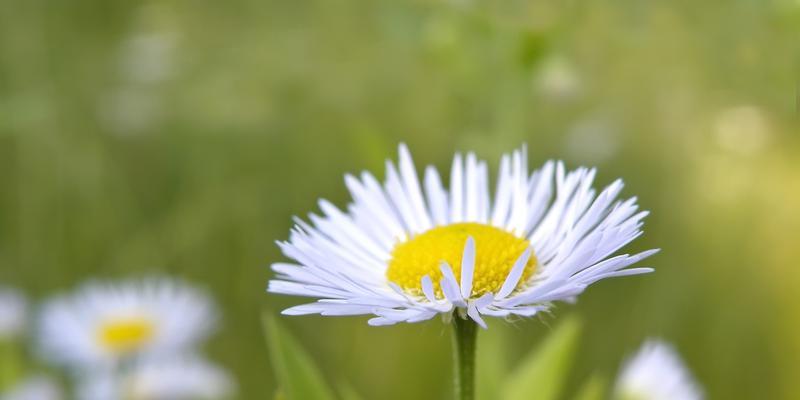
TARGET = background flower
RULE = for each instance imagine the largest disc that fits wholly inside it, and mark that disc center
(13, 313)
(180, 378)
(656, 372)
(33, 388)
(102, 324)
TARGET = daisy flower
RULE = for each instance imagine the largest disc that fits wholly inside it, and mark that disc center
(100, 383)
(13, 315)
(656, 373)
(103, 324)
(187, 378)
(405, 250)
(33, 388)
(177, 378)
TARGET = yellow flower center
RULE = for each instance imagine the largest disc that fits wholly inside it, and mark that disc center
(496, 251)
(125, 335)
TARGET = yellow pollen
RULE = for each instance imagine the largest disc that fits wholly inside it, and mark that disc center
(496, 251)
(125, 335)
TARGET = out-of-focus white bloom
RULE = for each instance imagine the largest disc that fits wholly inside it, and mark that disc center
(656, 372)
(558, 79)
(148, 57)
(594, 139)
(147, 61)
(406, 252)
(99, 383)
(742, 130)
(34, 388)
(188, 378)
(13, 315)
(103, 323)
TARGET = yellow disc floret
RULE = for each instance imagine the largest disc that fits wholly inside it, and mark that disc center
(125, 334)
(496, 251)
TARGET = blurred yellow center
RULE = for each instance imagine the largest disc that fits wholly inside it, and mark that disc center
(496, 251)
(125, 335)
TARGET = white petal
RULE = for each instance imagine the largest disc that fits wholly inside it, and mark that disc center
(467, 268)
(411, 184)
(457, 190)
(437, 196)
(450, 286)
(476, 316)
(427, 289)
(516, 273)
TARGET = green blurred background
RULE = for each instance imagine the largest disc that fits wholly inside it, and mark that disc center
(180, 137)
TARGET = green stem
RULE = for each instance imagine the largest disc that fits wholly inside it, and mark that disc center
(465, 334)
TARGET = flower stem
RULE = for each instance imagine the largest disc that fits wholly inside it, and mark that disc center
(465, 334)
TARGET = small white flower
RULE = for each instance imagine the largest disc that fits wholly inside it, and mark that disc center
(558, 79)
(103, 323)
(178, 379)
(99, 383)
(406, 252)
(182, 377)
(34, 388)
(656, 373)
(13, 315)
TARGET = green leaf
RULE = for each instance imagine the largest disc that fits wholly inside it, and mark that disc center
(542, 373)
(298, 377)
(593, 389)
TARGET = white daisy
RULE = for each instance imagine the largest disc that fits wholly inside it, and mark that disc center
(103, 323)
(99, 383)
(656, 373)
(177, 379)
(407, 252)
(34, 388)
(13, 315)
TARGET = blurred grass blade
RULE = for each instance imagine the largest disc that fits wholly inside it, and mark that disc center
(298, 377)
(11, 364)
(347, 392)
(491, 361)
(593, 389)
(542, 373)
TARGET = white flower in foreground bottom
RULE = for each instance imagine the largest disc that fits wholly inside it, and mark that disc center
(97, 384)
(12, 313)
(178, 379)
(406, 252)
(103, 323)
(656, 373)
(35, 388)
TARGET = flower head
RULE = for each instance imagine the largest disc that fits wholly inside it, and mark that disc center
(656, 373)
(33, 388)
(13, 315)
(184, 378)
(405, 251)
(103, 323)
(181, 377)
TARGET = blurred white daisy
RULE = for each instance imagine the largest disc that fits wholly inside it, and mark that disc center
(407, 252)
(34, 388)
(656, 373)
(103, 323)
(13, 315)
(98, 383)
(177, 379)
